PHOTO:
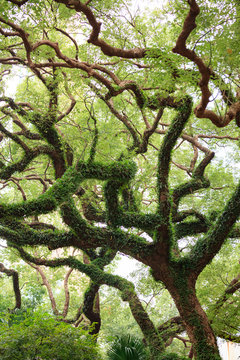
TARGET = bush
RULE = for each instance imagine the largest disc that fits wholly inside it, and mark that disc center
(40, 336)
(171, 356)
(127, 347)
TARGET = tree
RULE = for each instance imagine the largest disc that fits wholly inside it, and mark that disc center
(40, 336)
(101, 134)
(65, 294)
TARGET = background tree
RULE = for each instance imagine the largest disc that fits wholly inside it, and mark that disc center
(106, 145)
(40, 336)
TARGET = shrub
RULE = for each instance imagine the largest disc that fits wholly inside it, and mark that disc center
(171, 356)
(40, 336)
(127, 347)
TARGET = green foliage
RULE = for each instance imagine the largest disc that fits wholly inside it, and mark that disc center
(127, 347)
(171, 356)
(32, 296)
(39, 335)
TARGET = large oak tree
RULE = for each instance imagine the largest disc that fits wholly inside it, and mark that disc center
(106, 143)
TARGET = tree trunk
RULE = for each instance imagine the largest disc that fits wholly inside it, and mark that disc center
(195, 320)
(180, 281)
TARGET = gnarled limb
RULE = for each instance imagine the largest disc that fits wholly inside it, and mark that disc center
(16, 288)
(180, 48)
(100, 277)
(207, 247)
(94, 36)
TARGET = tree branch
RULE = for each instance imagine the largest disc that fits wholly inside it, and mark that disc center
(181, 49)
(15, 279)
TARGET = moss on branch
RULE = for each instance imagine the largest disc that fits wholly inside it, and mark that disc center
(68, 185)
(170, 139)
(209, 245)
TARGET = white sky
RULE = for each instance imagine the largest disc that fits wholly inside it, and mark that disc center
(148, 3)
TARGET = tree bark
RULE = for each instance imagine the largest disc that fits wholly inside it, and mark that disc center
(16, 288)
(194, 319)
(151, 335)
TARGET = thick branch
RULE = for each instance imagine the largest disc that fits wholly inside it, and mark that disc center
(68, 185)
(181, 49)
(100, 277)
(207, 247)
(230, 290)
(169, 141)
(15, 279)
(94, 36)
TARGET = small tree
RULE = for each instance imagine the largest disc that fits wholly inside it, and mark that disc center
(40, 336)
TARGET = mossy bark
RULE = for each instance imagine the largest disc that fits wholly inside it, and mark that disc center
(195, 320)
(180, 282)
(198, 328)
(151, 335)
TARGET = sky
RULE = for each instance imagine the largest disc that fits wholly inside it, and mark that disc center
(148, 3)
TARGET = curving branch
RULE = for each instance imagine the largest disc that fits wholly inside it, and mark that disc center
(15, 138)
(149, 131)
(169, 141)
(23, 35)
(16, 288)
(73, 101)
(180, 48)
(48, 287)
(196, 183)
(230, 290)
(208, 246)
(7, 171)
(19, 188)
(94, 36)
(71, 38)
(18, 2)
(24, 131)
(100, 277)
